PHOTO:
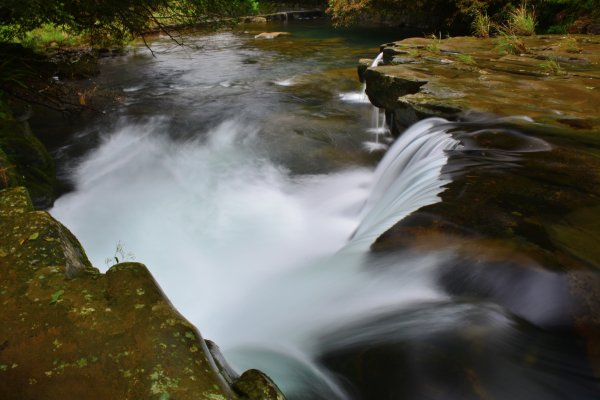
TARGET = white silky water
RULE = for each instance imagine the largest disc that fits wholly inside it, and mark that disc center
(378, 126)
(262, 261)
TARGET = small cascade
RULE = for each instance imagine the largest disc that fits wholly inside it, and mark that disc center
(378, 123)
(407, 178)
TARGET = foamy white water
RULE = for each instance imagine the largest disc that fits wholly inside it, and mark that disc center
(248, 253)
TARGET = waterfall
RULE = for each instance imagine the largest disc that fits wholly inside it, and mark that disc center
(247, 252)
(407, 177)
(378, 123)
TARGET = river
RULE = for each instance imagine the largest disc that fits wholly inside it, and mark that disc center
(243, 173)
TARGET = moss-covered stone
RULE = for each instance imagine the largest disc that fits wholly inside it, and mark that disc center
(555, 80)
(253, 384)
(24, 160)
(70, 332)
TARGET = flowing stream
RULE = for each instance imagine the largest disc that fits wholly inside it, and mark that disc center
(236, 170)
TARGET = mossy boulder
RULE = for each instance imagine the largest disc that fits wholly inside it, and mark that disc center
(70, 332)
(24, 160)
(253, 384)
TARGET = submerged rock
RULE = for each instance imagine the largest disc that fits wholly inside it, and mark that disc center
(271, 35)
(70, 332)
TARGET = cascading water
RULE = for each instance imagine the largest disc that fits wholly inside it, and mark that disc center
(245, 251)
(378, 124)
(273, 263)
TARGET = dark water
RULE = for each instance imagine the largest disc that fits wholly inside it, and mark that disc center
(235, 168)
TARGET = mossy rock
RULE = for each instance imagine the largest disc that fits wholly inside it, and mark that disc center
(70, 332)
(25, 160)
(255, 385)
(449, 77)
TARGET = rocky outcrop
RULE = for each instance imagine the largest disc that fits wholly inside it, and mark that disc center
(68, 331)
(520, 209)
(555, 80)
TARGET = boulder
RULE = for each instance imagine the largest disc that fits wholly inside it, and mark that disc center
(255, 20)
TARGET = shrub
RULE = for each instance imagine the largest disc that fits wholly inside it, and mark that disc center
(521, 21)
(481, 24)
(510, 43)
(551, 67)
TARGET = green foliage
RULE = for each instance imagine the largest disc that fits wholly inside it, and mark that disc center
(466, 59)
(521, 21)
(510, 43)
(49, 36)
(111, 21)
(551, 67)
(56, 296)
(434, 46)
(569, 44)
(481, 24)
(520, 18)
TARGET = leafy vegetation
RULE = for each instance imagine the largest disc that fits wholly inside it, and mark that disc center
(466, 59)
(481, 14)
(481, 24)
(33, 34)
(569, 44)
(434, 46)
(111, 21)
(510, 43)
(551, 67)
(521, 21)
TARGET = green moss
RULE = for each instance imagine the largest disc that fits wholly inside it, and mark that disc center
(24, 160)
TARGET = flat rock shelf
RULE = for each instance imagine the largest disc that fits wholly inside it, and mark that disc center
(552, 79)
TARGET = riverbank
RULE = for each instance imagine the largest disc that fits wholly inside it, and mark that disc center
(550, 78)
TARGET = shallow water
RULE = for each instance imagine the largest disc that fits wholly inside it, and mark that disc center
(237, 171)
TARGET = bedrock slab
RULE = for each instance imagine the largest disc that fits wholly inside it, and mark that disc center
(552, 79)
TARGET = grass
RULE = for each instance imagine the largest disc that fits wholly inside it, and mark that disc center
(551, 67)
(521, 21)
(569, 44)
(510, 43)
(50, 37)
(466, 59)
(434, 46)
(481, 24)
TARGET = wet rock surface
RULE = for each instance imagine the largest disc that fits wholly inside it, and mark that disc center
(24, 160)
(553, 79)
(68, 331)
(520, 214)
